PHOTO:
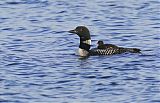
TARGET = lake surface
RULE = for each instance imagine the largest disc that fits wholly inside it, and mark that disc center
(38, 63)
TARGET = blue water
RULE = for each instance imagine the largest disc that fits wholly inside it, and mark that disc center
(37, 55)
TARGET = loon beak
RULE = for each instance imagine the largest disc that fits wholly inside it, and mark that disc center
(73, 31)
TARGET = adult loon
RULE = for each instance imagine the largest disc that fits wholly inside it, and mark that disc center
(85, 44)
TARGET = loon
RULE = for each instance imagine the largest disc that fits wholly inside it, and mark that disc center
(85, 44)
(101, 45)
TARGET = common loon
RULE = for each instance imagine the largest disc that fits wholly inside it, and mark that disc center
(85, 44)
(101, 45)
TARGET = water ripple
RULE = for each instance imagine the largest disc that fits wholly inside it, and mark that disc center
(38, 63)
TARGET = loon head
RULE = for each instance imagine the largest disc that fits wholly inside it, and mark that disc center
(101, 45)
(100, 42)
(85, 39)
(82, 32)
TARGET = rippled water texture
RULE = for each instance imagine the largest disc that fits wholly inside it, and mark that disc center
(37, 55)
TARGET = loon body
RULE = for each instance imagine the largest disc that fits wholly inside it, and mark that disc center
(85, 44)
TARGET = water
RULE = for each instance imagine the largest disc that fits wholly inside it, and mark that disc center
(37, 56)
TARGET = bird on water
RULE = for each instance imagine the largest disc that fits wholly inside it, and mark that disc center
(102, 49)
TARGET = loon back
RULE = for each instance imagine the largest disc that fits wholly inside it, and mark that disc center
(112, 51)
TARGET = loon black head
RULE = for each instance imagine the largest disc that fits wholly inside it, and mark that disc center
(101, 45)
(100, 42)
(82, 32)
(85, 39)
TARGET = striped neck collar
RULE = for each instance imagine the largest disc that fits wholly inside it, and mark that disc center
(85, 44)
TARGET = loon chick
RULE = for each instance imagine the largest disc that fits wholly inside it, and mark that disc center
(101, 45)
(85, 44)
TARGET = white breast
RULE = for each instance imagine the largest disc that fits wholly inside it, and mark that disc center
(82, 52)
